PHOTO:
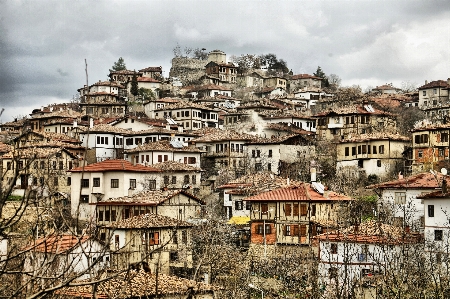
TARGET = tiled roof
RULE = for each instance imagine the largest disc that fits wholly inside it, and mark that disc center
(175, 166)
(221, 135)
(148, 197)
(435, 194)
(376, 136)
(298, 191)
(425, 180)
(184, 105)
(149, 221)
(123, 72)
(57, 244)
(162, 145)
(211, 87)
(138, 284)
(4, 148)
(33, 152)
(115, 165)
(352, 110)
(58, 113)
(147, 79)
(105, 128)
(386, 87)
(108, 83)
(304, 76)
(152, 69)
(438, 83)
(273, 140)
(430, 126)
(287, 128)
(372, 232)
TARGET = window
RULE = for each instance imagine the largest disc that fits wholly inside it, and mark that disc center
(378, 163)
(438, 235)
(238, 205)
(174, 179)
(84, 199)
(303, 210)
(435, 90)
(100, 215)
(381, 149)
(444, 137)
(364, 149)
(69, 181)
(420, 154)
(85, 183)
(430, 210)
(313, 210)
(184, 237)
(166, 180)
(287, 230)
(173, 256)
(374, 149)
(441, 152)
(159, 158)
(132, 184)
(186, 179)
(362, 256)
(194, 179)
(400, 198)
(96, 182)
(61, 165)
(264, 208)
(262, 231)
(152, 184)
(333, 248)
(354, 151)
(114, 183)
(269, 166)
(258, 166)
(248, 205)
(55, 181)
(424, 93)
(270, 154)
(347, 151)
(295, 209)
(287, 209)
(42, 165)
(175, 237)
(129, 141)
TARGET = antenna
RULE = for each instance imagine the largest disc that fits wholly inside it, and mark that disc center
(444, 171)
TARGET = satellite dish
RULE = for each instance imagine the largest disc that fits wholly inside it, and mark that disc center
(444, 171)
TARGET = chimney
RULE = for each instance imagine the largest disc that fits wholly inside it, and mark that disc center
(313, 174)
(75, 124)
(448, 81)
(426, 81)
(288, 181)
(167, 127)
(91, 122)
(180, 129)
(400, 176)
(444, 186)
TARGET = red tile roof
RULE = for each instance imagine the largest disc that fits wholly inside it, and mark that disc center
(147, 79)
(152, 69)
(149, 221)
(115, 165)
(148, 197)
(438, 83)
(305, 76)
(57, 244)
(301, 191)
(372, 232)
(138, 284)
(424, 180)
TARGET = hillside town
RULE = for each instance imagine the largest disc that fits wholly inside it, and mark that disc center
(233, 177)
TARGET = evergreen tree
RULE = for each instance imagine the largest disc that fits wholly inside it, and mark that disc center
(134, 85)
(119, 65)
(319, 73)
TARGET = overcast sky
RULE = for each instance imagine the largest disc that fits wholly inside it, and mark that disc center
(43, 44)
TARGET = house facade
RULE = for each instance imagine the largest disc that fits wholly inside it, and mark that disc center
(340, 123)
(140, 239)
(108, 179)
(377, 154)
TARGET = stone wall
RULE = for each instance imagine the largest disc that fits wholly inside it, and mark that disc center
(187, 69)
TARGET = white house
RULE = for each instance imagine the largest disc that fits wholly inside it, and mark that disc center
(437, 229)
(108, 179)
(347, 256)
(62, 256)
(399, 198)
(162, 151)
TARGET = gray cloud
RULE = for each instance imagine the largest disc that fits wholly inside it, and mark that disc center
(364, 42)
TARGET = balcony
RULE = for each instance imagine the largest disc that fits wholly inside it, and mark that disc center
(335, 126)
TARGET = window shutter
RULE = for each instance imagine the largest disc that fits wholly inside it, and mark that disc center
(156, 241)
(295, 230)
(303, 230)
(295, 209)
(287, 208)
(303, 210)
